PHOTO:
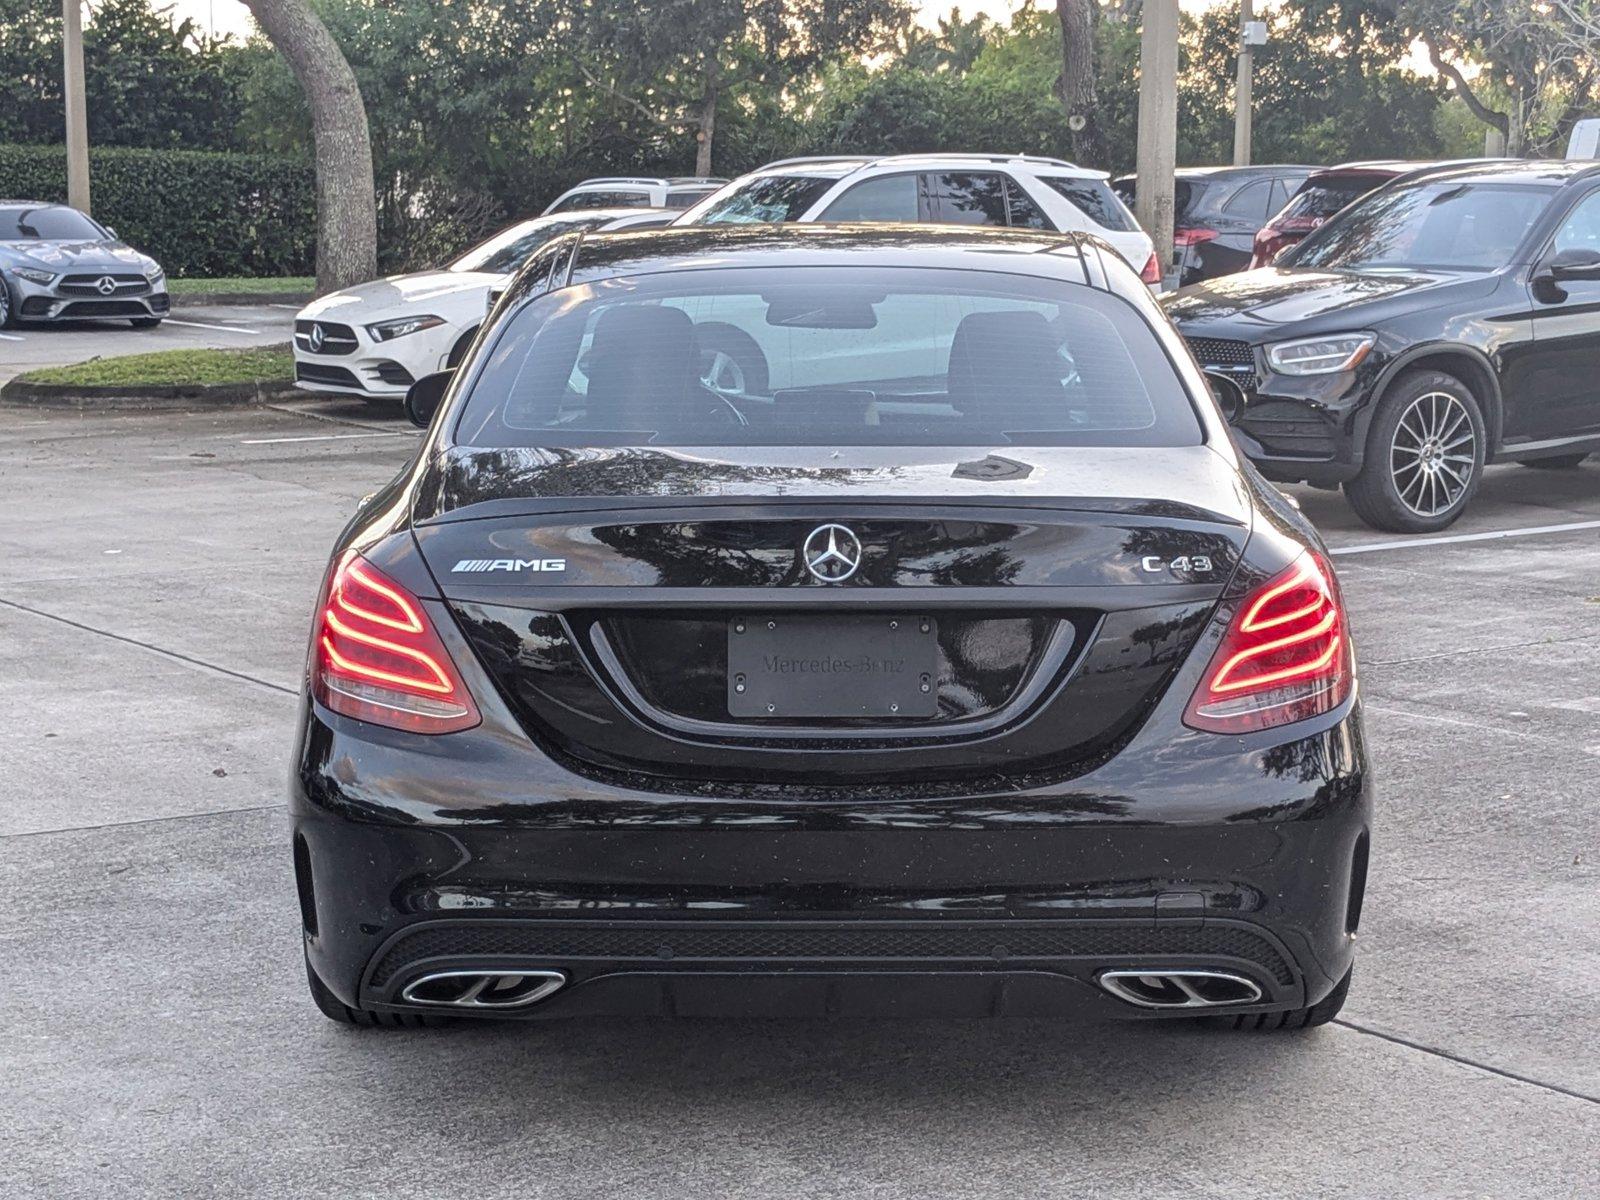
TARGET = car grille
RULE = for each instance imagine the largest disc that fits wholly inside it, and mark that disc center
(321, 373)
(392, 373)
(104, 308)
(94, 285)
(553, 943)
(1223, 352)
(335, 339)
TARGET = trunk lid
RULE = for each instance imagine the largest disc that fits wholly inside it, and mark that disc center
(1030, 605)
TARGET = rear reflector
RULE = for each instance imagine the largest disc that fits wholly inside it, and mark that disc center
(377, 658)
(1285, 657)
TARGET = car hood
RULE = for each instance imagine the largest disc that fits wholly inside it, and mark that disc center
(74, 256)
(400, 295)
(1266, 300)
(1193, 482)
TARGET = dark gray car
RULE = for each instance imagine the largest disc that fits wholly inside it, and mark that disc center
(56, 264)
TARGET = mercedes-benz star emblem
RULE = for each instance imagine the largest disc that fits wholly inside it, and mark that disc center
(831, 553)
(314, 338)
(105, 285)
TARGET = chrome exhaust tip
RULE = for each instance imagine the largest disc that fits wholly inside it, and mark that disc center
(1180, 989)
(482, 989)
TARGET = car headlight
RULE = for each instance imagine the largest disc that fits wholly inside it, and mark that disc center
(33, 275)
(154, 274)
(1320, 356)
(385, 331)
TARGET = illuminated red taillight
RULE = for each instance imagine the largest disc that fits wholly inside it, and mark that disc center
(1152, 271)
(1285, 657)
(376, 657)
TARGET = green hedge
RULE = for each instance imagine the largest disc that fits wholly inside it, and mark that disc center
(197, 213)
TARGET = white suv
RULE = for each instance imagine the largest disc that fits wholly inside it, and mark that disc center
(952, 189)
(627, 191)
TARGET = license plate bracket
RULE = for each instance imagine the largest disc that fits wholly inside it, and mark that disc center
(805, 666)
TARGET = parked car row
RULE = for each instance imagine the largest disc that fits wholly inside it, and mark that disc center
(1417, 320)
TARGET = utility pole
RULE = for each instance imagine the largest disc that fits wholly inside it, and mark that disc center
(1241, 89)
(1157, 155)
(77, 108)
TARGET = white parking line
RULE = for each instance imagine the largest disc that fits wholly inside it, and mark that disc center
(10, 337)
(290, 307)
(219, 328)
(330, 437)
(1492, 536)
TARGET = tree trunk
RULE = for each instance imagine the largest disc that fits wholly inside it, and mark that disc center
(706, 128)
(1075, 86)
(347, 208)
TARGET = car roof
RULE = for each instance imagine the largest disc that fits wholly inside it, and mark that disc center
(651, 181)
(838, 166)
(689, 247)
(1511, 170)
(33, 204)
(1228, 172)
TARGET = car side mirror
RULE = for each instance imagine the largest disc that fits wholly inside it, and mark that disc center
(422, 399)
(1576, 263)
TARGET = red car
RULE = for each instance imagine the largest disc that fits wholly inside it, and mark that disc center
(1318, 198)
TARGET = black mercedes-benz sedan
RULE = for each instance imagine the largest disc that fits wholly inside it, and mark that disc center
(830, 620)
(1447, 320)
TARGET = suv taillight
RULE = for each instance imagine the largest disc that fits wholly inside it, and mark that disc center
(1152, 271)
(378, 658)
(1183, 238)
(1284, 658)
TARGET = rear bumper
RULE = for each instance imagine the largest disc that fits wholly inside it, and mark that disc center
(1231, 854)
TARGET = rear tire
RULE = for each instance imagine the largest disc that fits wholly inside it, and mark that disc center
(1561, 462)
(1424, 455)
(336, 1010)
(7, 315)
(1319, 1013)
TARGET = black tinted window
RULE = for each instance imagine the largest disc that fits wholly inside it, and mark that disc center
(964, 198)
(887, 198)
(1023, 211)
(681, 199)
(1095, 199)
(51, 224)
(820, 356)
(1250, 201)
(770, 200)
(603, 200)
(1439, 224)
(1323, 198)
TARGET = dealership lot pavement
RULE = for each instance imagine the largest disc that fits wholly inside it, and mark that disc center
(156, 575)
(29, 347)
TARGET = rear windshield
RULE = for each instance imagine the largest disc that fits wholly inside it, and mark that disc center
(1184, 193)
(826, 356)
(50, 224)
(614, 199)
(1440, 225)
(1095, 200)
(1319, 199)
(771, 199)
(510, 248)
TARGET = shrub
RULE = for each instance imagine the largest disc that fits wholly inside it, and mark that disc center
(197, 213)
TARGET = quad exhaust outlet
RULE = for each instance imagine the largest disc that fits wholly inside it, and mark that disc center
(483, 989)
(1180, 989)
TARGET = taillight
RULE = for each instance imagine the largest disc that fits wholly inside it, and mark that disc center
(1285, 657)
(378, 658)
(1152, 271)
(1192, 237)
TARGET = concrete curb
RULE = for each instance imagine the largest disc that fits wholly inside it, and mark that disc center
(17, 394)
(242, 299)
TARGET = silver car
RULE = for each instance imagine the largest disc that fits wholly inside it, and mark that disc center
(56, 264)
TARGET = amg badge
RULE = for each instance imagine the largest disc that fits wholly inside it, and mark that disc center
(509, 564)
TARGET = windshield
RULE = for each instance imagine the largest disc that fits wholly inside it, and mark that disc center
(1442, 225)
(771, 199)
(510, 248)
(827, 356)
(48, 224)
(1319, 199)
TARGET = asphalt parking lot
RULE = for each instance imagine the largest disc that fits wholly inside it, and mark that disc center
(156, 577)
(28, 347)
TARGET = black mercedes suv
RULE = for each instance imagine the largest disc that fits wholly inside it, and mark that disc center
(829, 620)
(1448, 319)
